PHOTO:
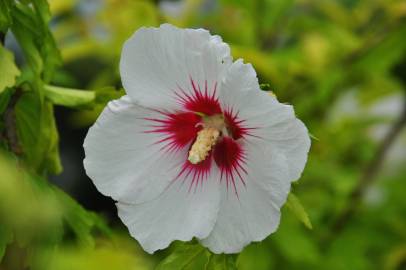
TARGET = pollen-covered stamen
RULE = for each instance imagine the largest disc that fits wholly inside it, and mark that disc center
(206, 139)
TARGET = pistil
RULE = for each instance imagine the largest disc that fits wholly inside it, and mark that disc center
(206, 138)
(205, 141)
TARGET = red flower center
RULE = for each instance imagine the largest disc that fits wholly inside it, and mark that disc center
(179, 130)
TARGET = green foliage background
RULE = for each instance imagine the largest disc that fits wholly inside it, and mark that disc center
(342, 64)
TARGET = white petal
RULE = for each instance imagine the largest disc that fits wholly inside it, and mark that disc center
(123, 161)
(157, 62)
(275, 123)
(179, 213)
(276, 155)
(292, 139)
(255, 213)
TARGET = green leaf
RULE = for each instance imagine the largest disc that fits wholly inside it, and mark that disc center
(5, 239)
(105, 94)
(48, 48)
(42, 9)
(52, 161)
(265, 86)
(294, 243)
(37, 133)
(294, 205)
(81, 221)
(382, 57)
(4, 100)
(256, 256)
(25, 30)
(69, 97)
(5, 16)
(221, 262)
(313, 137)
(8, 69)
(30, 27)
(186, 256)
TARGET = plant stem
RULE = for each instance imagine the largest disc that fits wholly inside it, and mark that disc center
(370, 173)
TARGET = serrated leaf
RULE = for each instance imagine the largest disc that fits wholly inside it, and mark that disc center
(221, 262)
(8, 69)
(69, 97)
(294, 205)
(185, 256)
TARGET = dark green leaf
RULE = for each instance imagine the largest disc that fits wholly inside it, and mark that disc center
(4, 100)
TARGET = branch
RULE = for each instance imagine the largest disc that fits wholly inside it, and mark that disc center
(370, 173)
(10, 123)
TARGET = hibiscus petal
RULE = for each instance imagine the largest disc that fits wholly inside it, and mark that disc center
(160, 64)
(292, 139)
(253, 213)
(178, 214)
(275, 144)
(124, 159)
(266, 118)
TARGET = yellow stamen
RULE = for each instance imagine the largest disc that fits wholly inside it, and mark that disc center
(206, 139)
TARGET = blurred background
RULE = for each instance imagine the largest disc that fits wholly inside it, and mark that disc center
(341, 64)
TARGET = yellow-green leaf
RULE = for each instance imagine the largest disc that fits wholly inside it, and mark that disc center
(69, 97)
(294, 205)
(185, 257)
(8, 69)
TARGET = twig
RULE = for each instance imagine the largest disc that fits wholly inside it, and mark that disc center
(10, 123)
(369, 174)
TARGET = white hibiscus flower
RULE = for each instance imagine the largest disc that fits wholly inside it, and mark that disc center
(195, 148)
